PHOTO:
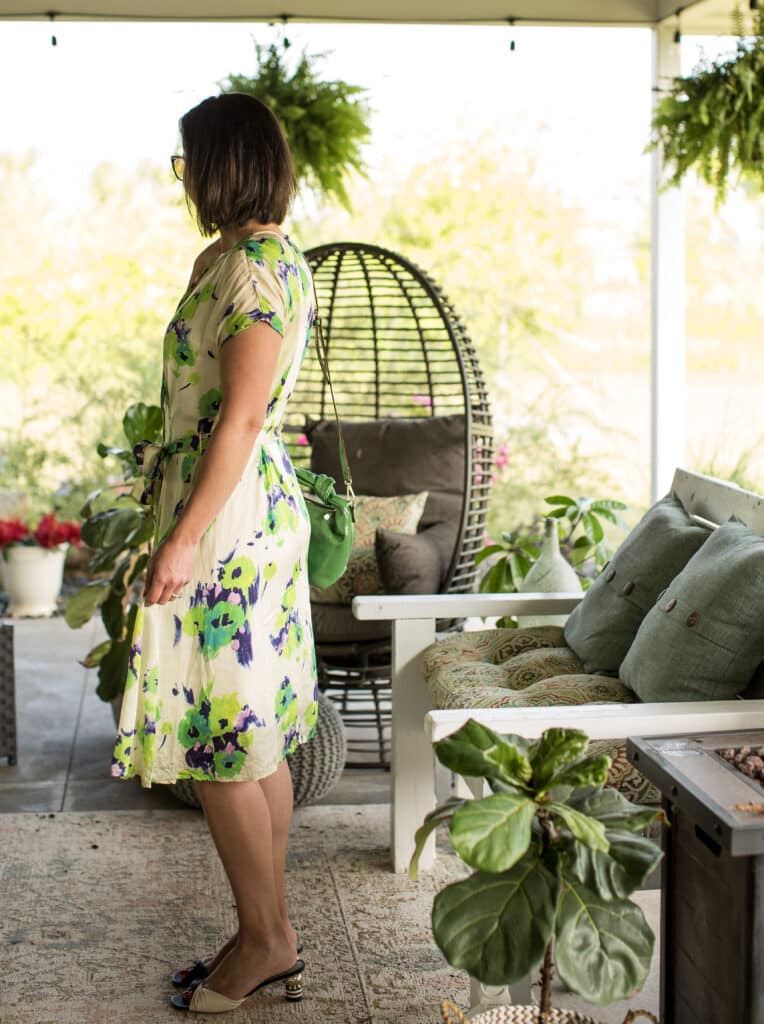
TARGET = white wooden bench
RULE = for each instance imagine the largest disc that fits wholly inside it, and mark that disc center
(416, 725)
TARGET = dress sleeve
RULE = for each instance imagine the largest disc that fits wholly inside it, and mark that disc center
(246, 294)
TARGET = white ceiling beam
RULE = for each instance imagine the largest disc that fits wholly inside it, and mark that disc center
(705, 13)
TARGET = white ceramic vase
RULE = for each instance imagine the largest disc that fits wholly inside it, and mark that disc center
(549, 574)
(32, 578)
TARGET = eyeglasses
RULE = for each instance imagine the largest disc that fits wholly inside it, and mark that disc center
(178, 164)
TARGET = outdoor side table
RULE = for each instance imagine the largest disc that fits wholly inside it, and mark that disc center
(7, 695)
(712, 909)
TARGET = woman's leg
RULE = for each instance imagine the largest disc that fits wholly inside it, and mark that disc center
(278, 794)
(279, 797)
(239, 820)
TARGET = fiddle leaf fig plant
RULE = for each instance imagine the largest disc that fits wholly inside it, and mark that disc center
(712, 121)
(556, 857)
(119, 529)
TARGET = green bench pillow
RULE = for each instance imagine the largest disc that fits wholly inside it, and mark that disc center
(601, 629)
(704, 637)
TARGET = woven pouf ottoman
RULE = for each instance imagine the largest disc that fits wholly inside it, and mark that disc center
(315, 766)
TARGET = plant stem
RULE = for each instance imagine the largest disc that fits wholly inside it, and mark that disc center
(547, 967)
(547, 970)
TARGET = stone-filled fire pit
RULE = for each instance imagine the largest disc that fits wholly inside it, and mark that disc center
(712, 916)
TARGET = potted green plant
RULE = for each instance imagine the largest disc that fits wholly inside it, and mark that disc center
(581, 541)
(326, 122)
(118, 529)
(33, 562)
(712, 121)
(556, 857)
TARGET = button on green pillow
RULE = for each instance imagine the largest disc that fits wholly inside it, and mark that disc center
(601, 629)
(704, 637)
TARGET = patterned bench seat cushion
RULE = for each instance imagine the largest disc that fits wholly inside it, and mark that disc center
(520, 668)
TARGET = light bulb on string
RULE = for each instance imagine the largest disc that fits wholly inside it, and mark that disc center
(53, 39)
(678, 29)
(511, 23)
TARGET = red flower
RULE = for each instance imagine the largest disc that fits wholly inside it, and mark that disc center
(49, 532)
(11, 531)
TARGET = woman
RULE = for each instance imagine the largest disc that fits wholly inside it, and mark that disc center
(222, 681)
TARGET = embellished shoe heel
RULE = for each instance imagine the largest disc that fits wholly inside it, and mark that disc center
(293, 988)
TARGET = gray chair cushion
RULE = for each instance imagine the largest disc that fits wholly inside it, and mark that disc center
(601, 629)
(704, 638)
(408, 563)
(336, 624)
(402, 456)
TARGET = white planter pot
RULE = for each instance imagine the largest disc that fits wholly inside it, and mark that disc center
(32, 578)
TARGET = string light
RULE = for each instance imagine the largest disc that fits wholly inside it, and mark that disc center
(53, 40)
(511, 23)
(678, 30)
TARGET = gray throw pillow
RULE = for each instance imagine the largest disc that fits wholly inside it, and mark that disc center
(408, 563)
(704, 638)
(601, 629)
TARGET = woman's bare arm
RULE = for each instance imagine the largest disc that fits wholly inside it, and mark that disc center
(247, 367)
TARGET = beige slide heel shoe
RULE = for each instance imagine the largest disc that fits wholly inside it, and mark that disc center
(206, 1000)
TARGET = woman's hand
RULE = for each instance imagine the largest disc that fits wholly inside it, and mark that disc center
(205, 259)
(169, 569)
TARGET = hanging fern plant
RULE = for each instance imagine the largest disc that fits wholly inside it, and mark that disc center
(712, 121)
(325, 123)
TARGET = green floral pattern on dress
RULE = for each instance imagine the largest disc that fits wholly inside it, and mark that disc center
(221, 683)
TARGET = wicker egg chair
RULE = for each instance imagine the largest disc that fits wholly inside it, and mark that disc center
(416, 416)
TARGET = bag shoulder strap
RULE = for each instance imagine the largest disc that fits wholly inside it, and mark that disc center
(322, 350)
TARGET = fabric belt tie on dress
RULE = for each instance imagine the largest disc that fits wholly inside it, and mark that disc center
(150, 458)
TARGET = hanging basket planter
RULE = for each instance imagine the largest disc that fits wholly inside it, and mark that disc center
(451, 1014)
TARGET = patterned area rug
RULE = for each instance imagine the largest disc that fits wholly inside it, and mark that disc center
(98, 909)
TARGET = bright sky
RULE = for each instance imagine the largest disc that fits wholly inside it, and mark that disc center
(116, 91)
(579, 97)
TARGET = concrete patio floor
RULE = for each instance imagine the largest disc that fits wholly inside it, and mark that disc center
(65, 734)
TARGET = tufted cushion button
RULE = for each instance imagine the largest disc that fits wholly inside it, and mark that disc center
(610, 576)
(669, 605)
(693, 618)
(628, 588)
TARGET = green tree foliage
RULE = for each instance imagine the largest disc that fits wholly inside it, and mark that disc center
(82, 310)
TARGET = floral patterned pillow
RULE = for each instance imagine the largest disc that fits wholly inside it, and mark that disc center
(400, 513)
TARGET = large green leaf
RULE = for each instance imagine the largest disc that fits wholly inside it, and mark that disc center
(113, 670)
(465, 751)
(602, 948)
(591, 771)
(486, 552)
(515, 766)
(617, 873)
(96, 654)
(81, 606)
(142, 422)
(614, 810)
(111, 528)
(112, 615)
(497, 927)
(556, 748)
(436, 817)
(588, 830)
(494, 833)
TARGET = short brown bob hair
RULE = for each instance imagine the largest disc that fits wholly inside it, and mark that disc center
(237, 163)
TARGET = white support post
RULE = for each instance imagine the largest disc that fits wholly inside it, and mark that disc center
(668, 385)
(413, 760)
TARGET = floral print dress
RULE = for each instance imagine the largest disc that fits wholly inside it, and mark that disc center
(222, 681)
